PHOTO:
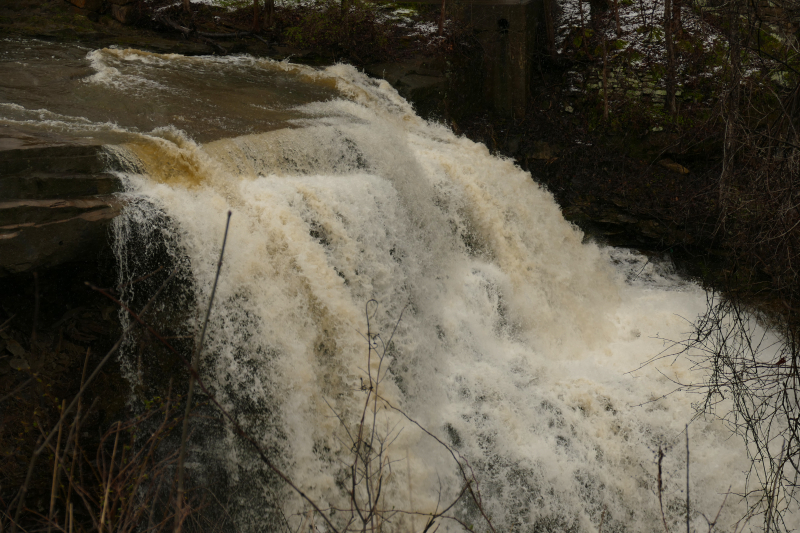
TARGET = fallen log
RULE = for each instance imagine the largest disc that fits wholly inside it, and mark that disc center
(174, 25)
(218, 47)
(207, 36)
(189, 32)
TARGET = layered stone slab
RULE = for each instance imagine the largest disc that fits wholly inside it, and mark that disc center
(56, 200)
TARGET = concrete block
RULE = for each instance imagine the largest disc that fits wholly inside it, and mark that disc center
(507, 34)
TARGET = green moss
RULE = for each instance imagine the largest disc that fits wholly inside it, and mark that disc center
(657, 34)
(657, 72)
(619, 44)
(294, 35)
(633, 56)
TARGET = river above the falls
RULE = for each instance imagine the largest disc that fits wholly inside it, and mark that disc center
(56, 86)
(517, 344)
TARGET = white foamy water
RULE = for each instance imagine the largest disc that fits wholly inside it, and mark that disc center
(516, 347)
(519, 346)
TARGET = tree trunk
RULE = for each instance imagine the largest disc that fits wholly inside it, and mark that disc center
(187, 5)
(605, 79)
(441, 19)
(616, 18)
(732, 114)
(677, 26)
(596, 10)
(668, 27)
(269, 7)
(643, 12)
(256, 16)
(549, 25)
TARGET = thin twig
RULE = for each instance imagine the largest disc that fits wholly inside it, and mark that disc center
(475, 496)
(35, 306)
(234, 423)
(687, 479)
(108, 483)
(15, 391)
(7, 322)
(55, 472)
(77, 426)
(39, 448)
(195, 364)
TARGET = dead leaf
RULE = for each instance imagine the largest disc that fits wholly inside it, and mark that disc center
(15, 348)
(672, 166)
(19, 364)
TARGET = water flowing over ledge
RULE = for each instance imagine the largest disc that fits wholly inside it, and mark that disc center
(520, 346)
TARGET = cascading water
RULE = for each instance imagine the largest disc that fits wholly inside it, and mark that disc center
(519, 346)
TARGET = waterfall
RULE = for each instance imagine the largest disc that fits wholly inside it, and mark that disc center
(516, 344)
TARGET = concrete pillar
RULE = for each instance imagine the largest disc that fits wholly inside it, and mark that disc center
(506, 29)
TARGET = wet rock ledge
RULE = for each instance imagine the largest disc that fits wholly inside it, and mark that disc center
(56, 201)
